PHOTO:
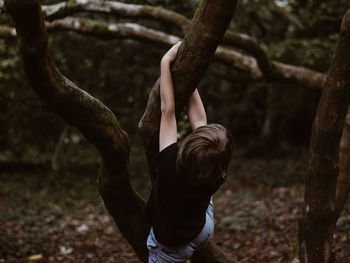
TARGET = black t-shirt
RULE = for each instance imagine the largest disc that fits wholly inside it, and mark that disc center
(176, 210)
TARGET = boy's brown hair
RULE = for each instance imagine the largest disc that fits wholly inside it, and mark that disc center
(205, 154)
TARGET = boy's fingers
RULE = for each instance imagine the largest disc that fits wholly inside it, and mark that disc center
(172, 52)
(176, 46)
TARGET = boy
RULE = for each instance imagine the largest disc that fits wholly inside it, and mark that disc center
(180, 207)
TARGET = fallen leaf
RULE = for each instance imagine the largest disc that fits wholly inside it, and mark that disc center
(82, 228)
(65, 251)
(35, 257)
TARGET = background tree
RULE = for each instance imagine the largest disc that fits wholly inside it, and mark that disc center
(321, 207)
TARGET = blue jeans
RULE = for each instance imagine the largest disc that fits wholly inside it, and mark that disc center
(162, 254)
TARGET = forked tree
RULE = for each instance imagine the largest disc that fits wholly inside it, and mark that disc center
(328, 184)
(99, 124)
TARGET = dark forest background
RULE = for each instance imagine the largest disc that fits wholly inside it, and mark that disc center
(266, 118)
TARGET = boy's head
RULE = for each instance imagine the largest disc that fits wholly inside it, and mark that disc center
(204, 154)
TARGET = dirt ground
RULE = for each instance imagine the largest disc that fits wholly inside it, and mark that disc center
(61, 218)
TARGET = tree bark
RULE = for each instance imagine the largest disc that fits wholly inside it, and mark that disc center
(316, 227)
(343, 182)
(99, 124)
(89, 115)
(118, 9)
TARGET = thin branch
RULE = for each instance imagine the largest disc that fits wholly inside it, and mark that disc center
(123, 10)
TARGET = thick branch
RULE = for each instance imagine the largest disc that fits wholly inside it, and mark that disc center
(301, 75)
(103, 31)
(113, 31)
(89, 115)
(319, 214)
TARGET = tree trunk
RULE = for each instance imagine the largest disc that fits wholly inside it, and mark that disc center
(343, 183)
(98, 123)
(316, 227)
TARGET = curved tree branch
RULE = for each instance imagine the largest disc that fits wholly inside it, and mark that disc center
(89, 115)
(123, 10)
(113, 31)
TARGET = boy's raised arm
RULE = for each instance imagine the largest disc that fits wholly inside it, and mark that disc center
(195, 111)
(168, 128)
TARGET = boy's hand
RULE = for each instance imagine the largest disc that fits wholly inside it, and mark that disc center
(171, 54)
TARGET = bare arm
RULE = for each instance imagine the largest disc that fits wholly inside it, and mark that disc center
(195, 111)
(168, 128)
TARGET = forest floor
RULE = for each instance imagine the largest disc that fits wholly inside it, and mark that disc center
(60, 218)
